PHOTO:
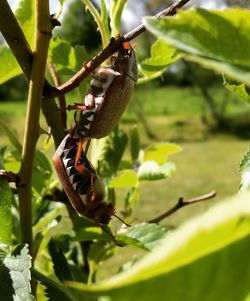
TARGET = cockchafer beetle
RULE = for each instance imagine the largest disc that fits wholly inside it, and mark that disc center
(82, 185)
(108, 96)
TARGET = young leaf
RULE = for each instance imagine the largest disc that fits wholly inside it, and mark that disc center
(5, 209)
(15, 274)
(152, 171)
(215, 244)
(159, 152)
(238, 89)
(126, 178)
(111, 152)
(161, 57)
(131, 199)
(60, 263)
(146, 236)
(210, 38)
(245, 171)
(116, 9)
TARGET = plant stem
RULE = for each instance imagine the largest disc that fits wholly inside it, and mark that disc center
(181, 203)
(43, 30)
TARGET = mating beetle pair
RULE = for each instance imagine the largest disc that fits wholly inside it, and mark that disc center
(103, 105)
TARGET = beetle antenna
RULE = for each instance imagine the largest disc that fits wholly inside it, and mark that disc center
(121, 220)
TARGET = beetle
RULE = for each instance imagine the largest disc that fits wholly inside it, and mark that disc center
(108, 96)
(82, 185)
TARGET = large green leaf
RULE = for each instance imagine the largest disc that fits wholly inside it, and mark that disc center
(5, 209)
(15, 276)
(205, 259)
(216, 39)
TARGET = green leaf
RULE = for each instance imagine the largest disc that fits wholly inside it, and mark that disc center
(42, 173)
(131, 199)
(152, 171)
(162, 56)
(9, 66)
(12, 135)
(238, 89)
(15, 274)
(116, 9)
(159, 152)
(213, 246)
(135, 143)
(218, 40)
(59, 53)
(25, 14)
(54, 290)
(60, 263)
(125, 178)
(91, 233)
(245, 171)
(5, 209)
(145, 236)
(109, 151)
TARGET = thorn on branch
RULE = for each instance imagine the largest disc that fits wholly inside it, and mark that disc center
(9, 176)
(181, 203)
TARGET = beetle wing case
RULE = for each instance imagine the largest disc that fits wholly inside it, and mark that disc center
(114, 104)
(74, 198)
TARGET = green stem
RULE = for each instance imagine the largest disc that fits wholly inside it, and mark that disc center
(43, 30)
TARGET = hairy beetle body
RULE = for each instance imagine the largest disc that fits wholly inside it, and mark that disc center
(108, 95)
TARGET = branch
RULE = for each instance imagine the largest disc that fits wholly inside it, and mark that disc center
(112, 47)
(61, 98)
(181, 203)
(43, 28)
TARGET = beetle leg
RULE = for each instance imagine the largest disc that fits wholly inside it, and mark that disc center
(76, 106)
(78, 155)
(87, 146)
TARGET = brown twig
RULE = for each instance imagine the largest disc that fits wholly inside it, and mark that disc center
(9, 176)
(181, 203)
(61, 98)
(90, 66)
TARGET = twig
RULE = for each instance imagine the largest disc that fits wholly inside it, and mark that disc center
(181, 203)
(62, 100)
(9, 176)
(90, 66)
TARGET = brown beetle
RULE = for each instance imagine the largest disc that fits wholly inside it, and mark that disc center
(80, 182)
(108, 95)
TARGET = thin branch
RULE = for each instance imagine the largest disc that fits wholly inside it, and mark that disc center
(9, 176)
(62, 100)
(43, 28)
(181, 203)
(90, 66)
